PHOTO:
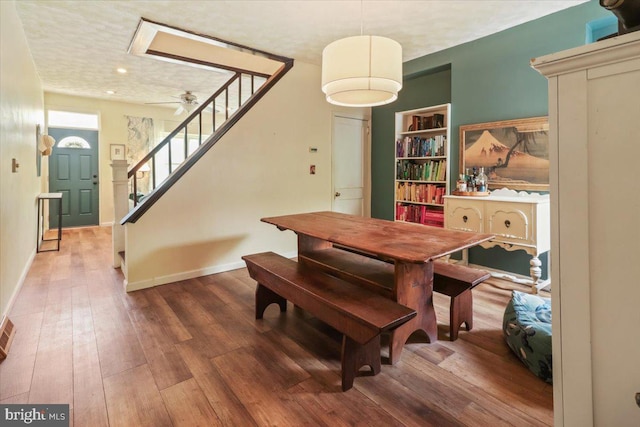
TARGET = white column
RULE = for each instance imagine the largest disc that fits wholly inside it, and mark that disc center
(120, 207)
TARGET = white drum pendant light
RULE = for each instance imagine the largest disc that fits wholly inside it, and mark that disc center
(362, 71)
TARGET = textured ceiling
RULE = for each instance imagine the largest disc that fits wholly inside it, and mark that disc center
(77, 45)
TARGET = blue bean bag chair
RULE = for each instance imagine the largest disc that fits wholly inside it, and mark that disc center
(527, 330)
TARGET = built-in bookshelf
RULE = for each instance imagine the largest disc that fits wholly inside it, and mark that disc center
(422, 164)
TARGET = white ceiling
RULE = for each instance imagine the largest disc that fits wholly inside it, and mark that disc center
(77, 45)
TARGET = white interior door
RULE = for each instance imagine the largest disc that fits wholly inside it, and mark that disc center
(348, 158)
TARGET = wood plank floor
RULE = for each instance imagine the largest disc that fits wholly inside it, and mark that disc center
(191, 353)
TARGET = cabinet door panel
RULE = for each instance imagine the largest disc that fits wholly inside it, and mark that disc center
(509, 223)
(465, 217)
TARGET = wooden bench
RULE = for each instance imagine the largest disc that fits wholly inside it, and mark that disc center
(453, 280)
(457, 281)
(359, 314)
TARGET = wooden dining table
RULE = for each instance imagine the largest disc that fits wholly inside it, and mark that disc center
(412, 248)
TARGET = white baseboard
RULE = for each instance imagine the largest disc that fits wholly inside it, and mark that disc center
(185, 275)
(21, 280)
(106, 224)
(290, 255)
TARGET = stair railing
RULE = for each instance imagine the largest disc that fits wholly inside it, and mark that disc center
(143, 202)
(166, 143)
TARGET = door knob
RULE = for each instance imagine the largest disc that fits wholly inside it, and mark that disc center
(95, 176)
(95, 182)
(337, 194)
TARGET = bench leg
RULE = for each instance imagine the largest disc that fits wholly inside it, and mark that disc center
(265, 297)
(461, 311)
(355, 355)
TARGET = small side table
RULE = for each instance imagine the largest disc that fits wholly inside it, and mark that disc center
(40, 233)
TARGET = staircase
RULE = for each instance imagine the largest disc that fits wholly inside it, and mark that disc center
(147, 181)
(223, 117)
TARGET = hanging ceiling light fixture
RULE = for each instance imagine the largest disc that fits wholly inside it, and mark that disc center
(362, 71)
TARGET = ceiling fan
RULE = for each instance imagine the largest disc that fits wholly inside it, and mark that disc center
(188, 102)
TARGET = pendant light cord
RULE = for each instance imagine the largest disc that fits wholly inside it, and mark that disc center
(361, 18)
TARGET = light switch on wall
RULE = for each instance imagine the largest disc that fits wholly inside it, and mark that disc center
(14, 165)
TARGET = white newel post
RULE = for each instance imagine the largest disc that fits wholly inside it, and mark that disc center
(120, 206)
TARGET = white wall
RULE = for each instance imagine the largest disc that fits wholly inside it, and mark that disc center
(21, 107)
(211, 217)
(113, 130)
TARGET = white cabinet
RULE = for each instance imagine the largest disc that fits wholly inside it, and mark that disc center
(519, 220)
(594, 134)
(422, 164)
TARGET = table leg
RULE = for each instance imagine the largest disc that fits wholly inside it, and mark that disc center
(414, 288)
(309, 244)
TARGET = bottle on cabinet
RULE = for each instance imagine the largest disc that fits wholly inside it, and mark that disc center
(471, 179)
(481, 181)
(461, 183)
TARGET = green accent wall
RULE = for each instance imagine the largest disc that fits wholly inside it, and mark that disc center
(485, 80)
(432, 88)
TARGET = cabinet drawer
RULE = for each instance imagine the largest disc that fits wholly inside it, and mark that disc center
(509, 222)
(464, 217)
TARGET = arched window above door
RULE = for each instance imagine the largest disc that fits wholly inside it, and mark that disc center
(74, 142)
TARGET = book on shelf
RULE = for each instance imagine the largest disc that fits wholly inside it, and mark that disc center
(442, 171)
(426, 122)
(438, 120)
(420, 193)
(429, 170)
(416, 123)
(419, 214)
(421, 146)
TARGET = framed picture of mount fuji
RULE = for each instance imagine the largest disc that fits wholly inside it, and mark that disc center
(513, 153)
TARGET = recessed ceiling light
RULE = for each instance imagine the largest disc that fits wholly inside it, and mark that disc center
(121, 70)
(111, 92)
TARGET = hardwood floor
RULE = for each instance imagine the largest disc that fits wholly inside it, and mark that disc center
(191, 353)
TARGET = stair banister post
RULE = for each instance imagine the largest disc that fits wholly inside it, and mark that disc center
(120, 207)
